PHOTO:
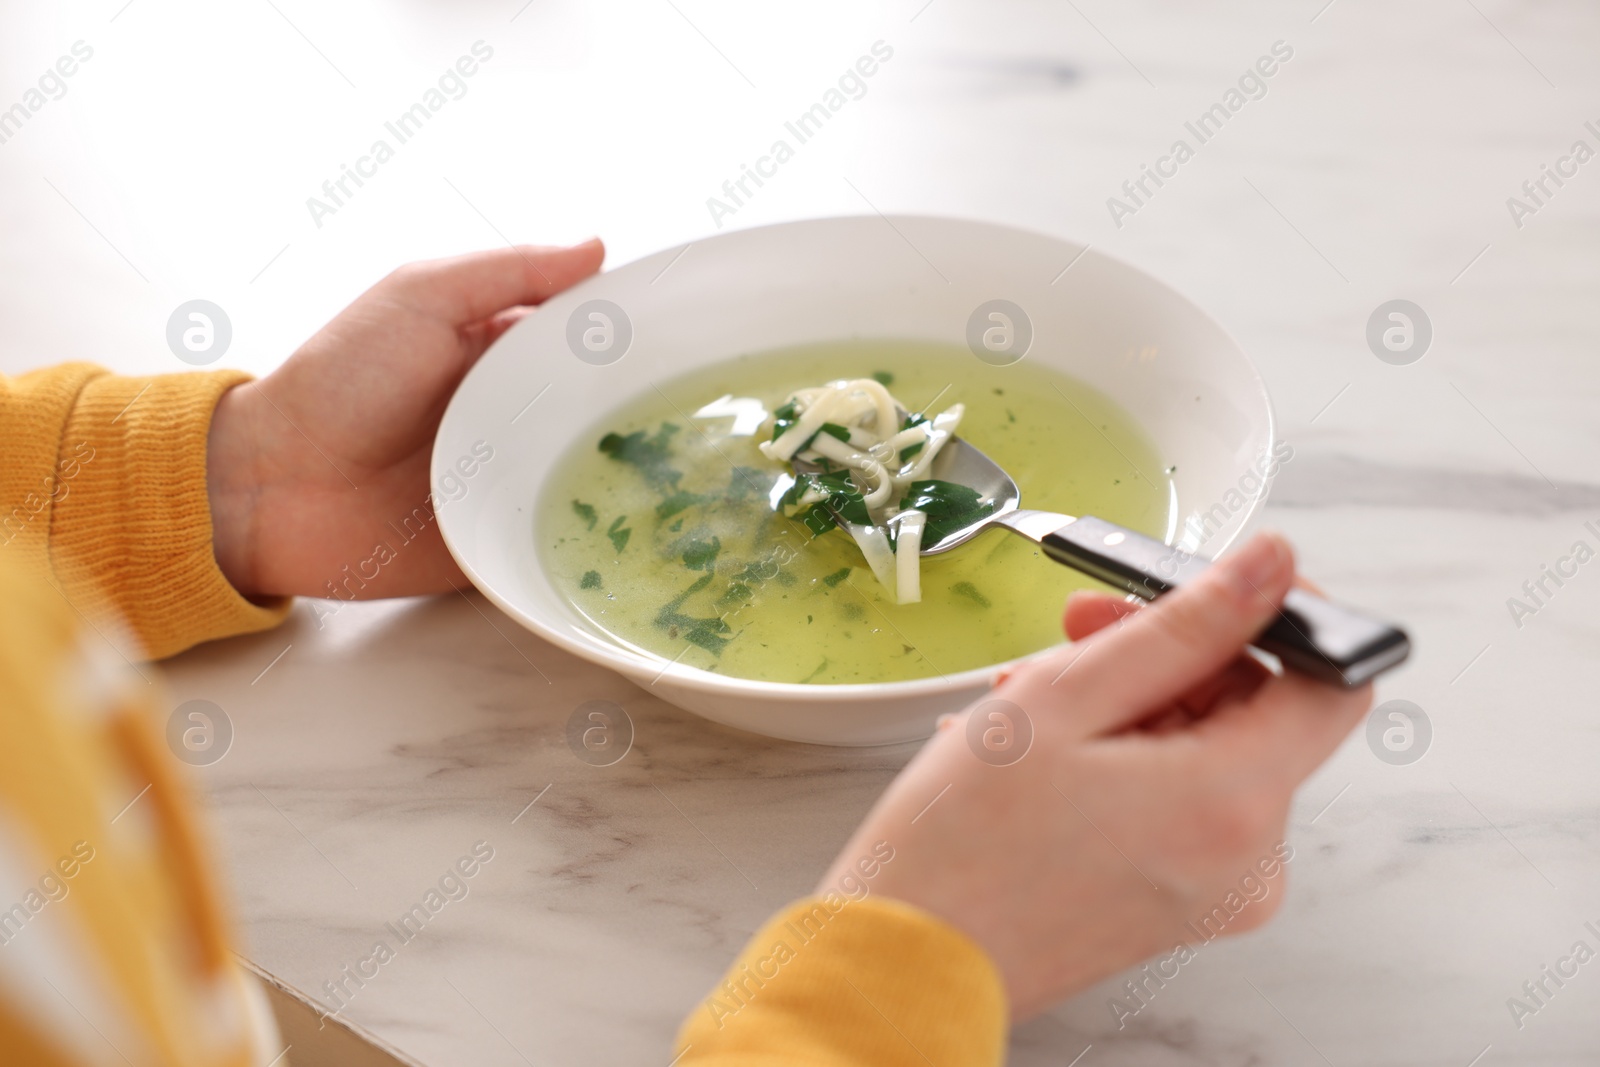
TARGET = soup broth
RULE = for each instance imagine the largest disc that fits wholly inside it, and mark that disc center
(659, 526)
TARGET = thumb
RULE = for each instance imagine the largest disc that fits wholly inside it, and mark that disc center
(464, 289)
(1163, 650)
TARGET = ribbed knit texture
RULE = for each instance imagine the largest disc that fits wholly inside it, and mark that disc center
(34, 409)
(875, 982)
(104, 484)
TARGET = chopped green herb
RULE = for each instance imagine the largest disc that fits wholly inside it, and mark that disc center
(833, 429)
(757, 571)
(883, 378)
(677, 502)
(783, 418)
(700, 555)
(818, 519)
(591, 580)
(852, 507)
(669, 613)
(618, 534)
(675, 527)
(843, 498)
(746, 482)
(970, 591)
(787, 415)
(948, 506)
(737, 591)
(697, 631)
(585, 512)
(837, 576)
(820, 668)
(706, 637)
(648, 453)
(916, 419)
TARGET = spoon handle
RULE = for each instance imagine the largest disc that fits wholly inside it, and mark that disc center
(1311, 636)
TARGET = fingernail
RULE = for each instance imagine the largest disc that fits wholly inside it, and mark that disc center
(1259, 565)
(585, 241)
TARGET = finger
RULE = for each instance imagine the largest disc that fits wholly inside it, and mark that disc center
(1291, 724)
(1165, 722)
(465, 289)
(478, 336)
(1237, 681)
(1089, 611)
(1163, 650)
(1301, 582)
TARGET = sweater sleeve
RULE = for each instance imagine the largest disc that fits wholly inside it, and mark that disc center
(830, 982)
(110, 910)
(103, 493)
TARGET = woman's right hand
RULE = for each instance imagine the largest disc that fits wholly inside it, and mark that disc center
(1155, 789)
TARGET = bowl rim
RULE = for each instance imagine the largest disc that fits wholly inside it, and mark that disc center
(634, 664)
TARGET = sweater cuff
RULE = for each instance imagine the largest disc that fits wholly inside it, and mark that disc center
(130, 539)
(837, 981)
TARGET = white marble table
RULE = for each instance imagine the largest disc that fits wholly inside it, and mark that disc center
(372, 753)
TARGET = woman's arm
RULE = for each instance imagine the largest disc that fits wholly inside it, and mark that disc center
(1143, 816)
(175, 509)
(852, 978)
(112, 509)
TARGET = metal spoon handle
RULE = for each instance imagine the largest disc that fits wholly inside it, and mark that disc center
(1311, 636)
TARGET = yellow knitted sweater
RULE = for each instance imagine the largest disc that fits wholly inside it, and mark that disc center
(113, 935)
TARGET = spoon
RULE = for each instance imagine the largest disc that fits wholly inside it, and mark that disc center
(1312, 636)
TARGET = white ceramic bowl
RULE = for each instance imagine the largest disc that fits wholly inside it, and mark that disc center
(1170, 365)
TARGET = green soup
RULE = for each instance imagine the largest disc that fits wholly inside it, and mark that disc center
(659, 528)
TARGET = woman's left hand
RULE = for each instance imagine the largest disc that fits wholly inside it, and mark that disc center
(314, 471)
